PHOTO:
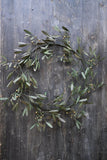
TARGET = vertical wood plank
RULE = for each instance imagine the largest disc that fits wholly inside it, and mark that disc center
(0, 84)
(103, 48)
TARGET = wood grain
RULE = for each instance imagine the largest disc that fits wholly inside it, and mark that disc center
(86, 19)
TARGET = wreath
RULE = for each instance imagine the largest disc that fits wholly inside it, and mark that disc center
(23, 86)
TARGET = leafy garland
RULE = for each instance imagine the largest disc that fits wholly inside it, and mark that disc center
(82, 78)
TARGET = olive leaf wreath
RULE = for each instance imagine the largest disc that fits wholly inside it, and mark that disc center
(21, 78)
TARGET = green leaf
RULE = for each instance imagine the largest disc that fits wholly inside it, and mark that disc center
(33, 63)
(25, 112)
(27, 32)
(79, 89)
(90, 49)
(44, 57)
(30, 106)
(56, 36)
(49, 40)
(29, 63)
(67, 109)
(26, 60)
(72, 87)
(33, 97)
(15, 106)
(33, 80)
(83, 75)
(3, 98)
(9, 75)
(17, 51)
(4, 60)
(37, 66)
(14, 97)
(48, 52)
(49, 124)
(85, 53)
(54, 117)
(78, 99)
(10, 64)
(87, 70)
(10, 84)
(85, 90)
(62, 103)
(67, 50)
(45, 33)
(64, 28)
(93, 52)
(21, 62)
(57, 28)
(40, 43)
(81, 114)
(44, 47)
(17, 80)
(78, 124)
(61, 119)
(33, 126)
(25, 55)
(77, 56)
(28, 84)
(83, 100)
(23, 76)
(22, 44)
(101, 84)
(53, 111)
(41, 96)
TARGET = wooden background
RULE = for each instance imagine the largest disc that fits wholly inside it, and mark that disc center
(86, 19)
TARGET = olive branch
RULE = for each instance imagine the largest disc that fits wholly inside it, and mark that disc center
(82, 78)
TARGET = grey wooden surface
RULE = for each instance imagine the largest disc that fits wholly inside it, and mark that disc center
(86, 19)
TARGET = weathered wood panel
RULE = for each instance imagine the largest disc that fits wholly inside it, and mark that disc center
(85, 18)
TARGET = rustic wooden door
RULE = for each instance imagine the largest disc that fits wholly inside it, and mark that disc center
(86, 19)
